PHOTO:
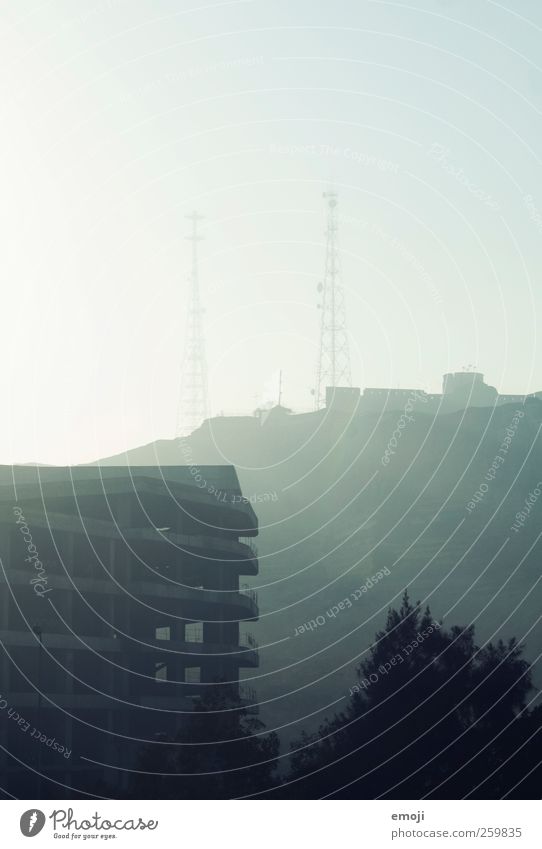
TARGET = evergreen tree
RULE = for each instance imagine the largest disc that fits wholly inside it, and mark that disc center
(432, 715)
(220, 752)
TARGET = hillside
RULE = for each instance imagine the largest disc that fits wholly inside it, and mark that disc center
(333, 513)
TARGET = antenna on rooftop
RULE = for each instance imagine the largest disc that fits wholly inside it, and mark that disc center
(333, 367)
(193, 403)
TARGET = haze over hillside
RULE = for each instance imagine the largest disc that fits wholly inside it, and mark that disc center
(333, 513)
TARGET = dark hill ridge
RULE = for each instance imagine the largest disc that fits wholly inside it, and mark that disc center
(332, 514)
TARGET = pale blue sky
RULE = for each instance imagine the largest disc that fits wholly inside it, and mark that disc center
(120, 117)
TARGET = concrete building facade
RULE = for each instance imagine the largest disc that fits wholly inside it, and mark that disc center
(120, 602)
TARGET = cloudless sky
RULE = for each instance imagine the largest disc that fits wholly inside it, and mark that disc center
(118, 118)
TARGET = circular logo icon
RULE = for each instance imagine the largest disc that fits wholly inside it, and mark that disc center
(32, 822)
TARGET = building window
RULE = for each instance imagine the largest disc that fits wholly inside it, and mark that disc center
(192, 674)
(193, 632)
(162, 633)
(160, 672)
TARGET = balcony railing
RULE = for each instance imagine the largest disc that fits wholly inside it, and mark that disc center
(247, 591)
(248, 641)
(195, 635)
(247, 694)
(250, 544)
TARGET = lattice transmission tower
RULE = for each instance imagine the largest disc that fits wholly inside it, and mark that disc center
(333, 367)
(193, 403)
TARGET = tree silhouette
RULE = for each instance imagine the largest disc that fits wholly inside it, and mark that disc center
(225, 754)
(431, 714)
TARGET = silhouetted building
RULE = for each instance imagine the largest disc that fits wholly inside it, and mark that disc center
(460, 390)
(120, 601)
(342, 399)
(276, 415)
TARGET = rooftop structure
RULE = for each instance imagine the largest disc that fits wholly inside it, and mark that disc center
(460, 390)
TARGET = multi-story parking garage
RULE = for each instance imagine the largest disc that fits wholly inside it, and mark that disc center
(120, 602)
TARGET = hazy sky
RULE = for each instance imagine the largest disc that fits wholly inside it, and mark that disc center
(119, 117)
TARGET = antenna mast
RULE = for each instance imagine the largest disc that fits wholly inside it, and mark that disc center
(334, 356)
(193, 403)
